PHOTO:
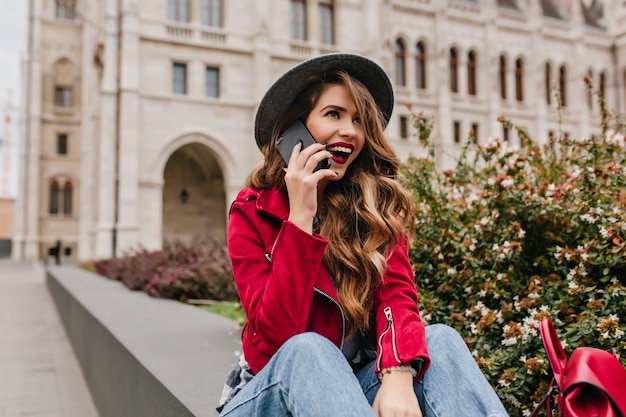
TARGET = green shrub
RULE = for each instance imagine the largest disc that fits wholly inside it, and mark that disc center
(511, 236)
(199, 269)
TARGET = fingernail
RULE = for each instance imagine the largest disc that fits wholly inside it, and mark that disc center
(323, 143)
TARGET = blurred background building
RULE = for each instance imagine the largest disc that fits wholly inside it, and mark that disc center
(138, 115)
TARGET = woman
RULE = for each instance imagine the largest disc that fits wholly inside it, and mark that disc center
(321, 264)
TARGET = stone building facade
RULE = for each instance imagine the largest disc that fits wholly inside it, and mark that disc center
(138, 115)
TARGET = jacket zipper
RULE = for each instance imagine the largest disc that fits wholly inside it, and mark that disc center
(343, 318)
(390, 326)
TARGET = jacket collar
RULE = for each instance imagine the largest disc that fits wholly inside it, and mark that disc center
(274, 202)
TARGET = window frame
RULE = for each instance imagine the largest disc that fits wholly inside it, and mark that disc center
(456, 131)
(214, 85)
(298, 20)
(326, 21)
(563, 85)
(475, 128)
(67, 198)
(502, 75)
(404, 127)
(420, 65)
(63, 97)
(65, 9)
(519, 79)
(400, 62)
(54, 191)
(548, 83)
(178, 10)
(177, 82)
(472, 82)
(62, 143)
(453, 67)
(212, 13)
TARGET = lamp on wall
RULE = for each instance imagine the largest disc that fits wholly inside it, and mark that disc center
(184, 194)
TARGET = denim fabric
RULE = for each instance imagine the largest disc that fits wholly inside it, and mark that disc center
(309, 376)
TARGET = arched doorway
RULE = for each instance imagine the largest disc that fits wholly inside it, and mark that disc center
(193, 195)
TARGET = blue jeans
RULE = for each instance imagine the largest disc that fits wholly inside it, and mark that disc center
(309, 376)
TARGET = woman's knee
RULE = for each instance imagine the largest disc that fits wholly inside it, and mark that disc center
(310, 344)
(444, 336)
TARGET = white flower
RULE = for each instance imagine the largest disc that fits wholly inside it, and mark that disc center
(588, 218)
(613, 317)
(484, 221)
(521, 233)
(605, 335)
(507, 183)
(510, 341)
(482, 293)
(604, 232)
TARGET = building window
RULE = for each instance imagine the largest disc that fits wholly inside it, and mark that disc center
(454, 75)
(327, 22)
(212, 76)
(563, 85)
(624, 85)
(505, 133)
(212, 13)
(502, 76)
(471, 73)
(404, 127)
(54, 198)
(298, 20)
(62, 144)
(65, 9)
(420, 65)
(179, 78)
(67, 198)
(456, 126)
(519, 79)
(400, 63)
(474, 133)
(590, 90)
(178, 10)
(63, 97)
(548, 83)
(602, 87)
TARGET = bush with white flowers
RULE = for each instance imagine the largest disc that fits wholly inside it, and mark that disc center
(512, 236)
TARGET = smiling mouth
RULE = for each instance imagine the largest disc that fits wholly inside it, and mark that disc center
(340, 153)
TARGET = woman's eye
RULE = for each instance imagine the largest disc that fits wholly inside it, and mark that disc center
(333, 113)
(357, 120)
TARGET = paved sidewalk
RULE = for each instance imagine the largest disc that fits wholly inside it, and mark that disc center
(39, 374)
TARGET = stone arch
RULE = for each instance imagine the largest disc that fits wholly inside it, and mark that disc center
(192, 171)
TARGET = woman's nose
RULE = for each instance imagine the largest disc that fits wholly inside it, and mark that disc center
(347, 129)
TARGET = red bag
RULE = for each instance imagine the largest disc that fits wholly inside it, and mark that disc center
(592, 382)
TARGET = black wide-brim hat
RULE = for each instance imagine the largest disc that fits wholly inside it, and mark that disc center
(288, 86)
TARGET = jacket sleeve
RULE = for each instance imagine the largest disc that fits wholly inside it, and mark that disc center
(401, 335)
(275, 266)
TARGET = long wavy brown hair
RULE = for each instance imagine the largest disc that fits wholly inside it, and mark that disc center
(363, 215)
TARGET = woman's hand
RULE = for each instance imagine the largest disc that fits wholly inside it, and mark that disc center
(302, 183)
(396, 397)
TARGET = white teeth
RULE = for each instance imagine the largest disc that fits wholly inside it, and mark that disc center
(342, 149)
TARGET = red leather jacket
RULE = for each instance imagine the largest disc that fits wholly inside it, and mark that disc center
(285, 289)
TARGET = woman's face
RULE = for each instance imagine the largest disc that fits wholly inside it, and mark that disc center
(334, 120)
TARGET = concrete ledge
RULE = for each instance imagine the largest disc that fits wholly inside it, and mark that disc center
(143, 356)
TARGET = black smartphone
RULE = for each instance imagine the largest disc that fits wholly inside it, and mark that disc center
(297, 131)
